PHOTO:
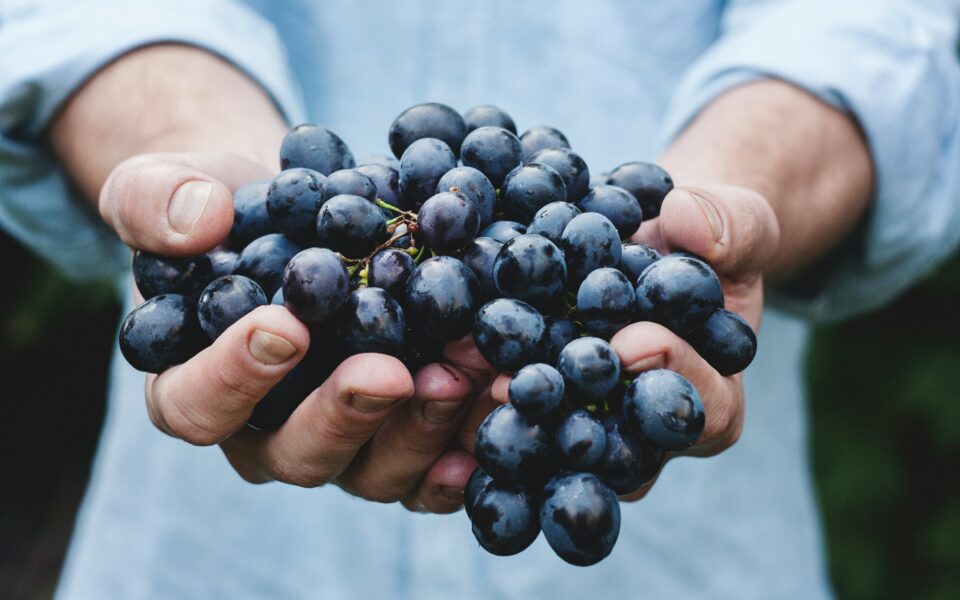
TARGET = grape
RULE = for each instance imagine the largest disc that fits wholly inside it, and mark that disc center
(505, 519)
(448, 221)
(635, 258)
(160, 333)
(277, 299)
(590, 369)
(155, 274)
(222, 261)
(387, 180)
(726, 341)
(389, 270)
(488, 115)
(627, 462)
(528, 188)
(442, 296)
(679, 292)
(421, 167)
(371, 321)
(509, 334)
(429, 120)
(540, 138)
(616, 204)
(589, 242)
(606, 302)
(647, 182)
(552, 219)
(225, 301)
(493, 151)
(580, 441)
(503, 231)
(315, 147)
(379, 160)
(479, 481)
(474, 185)
(250, 217)
(536, 391)
(315, 285)
(293, 201)
(580, 517)
(661, 406)
(510, 447)
(572, 168)
(278, 404)
(530, 268)
(479, 255)
(350, 225)
(264, 259)
(353, 182)
(560, 332)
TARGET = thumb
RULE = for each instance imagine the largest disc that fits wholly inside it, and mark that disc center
(175, 204)
(734, 229)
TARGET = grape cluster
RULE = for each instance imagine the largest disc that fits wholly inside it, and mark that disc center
(468, 229)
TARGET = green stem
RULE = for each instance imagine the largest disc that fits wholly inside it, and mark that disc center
(383, 204)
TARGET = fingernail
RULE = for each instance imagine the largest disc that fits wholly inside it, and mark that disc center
(439, 413)
(187, 205)
(452, 492)
(712, 216)
(269, 348)
(657, 361)
(371, 404)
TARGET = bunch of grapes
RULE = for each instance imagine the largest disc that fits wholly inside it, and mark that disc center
(472, 231)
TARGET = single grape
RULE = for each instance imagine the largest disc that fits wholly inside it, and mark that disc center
(530, 268)
(662, 407)
(552, 219)
(560, 332)
(678, 291)
(315, 147)
(726, 341)
(250, 217)
(528, 188)
(428, 120)
(479, 255)
(389, 270)
(474, 185)
(350, 225)
(353, 182)
(510, 447)
(627, 461)
(421, 167)
(420, 350)
(590, 369)
(293, 201)
(488, 116)
(580, 518)
(442, 296)
(493, 151)
(540, 138)
(579, 441)
(315, 285)
(503, 231)
(505, 519)
(277, 299)
(371, 321)
(382, 160)
(478, 482)
(572, 168)
(635, 258)
(448, 221)
(160, 333)
(510, 334)
(647, 182)
(222, 261)
(225, 301)
(264, 259)
(616, 204)
(155, 274)
(278, 404)
(589, 242)
(606, 302)
(536, 391)
(387, 180)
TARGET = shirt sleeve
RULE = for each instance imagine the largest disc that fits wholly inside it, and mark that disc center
(892, 65)
(48, 49)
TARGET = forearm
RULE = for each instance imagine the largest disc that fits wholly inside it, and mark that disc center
(164, 98)
(807, 159)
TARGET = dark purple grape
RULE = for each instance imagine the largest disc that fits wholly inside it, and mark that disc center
(552, 219)
(387, 180)
(488, 116)
(371, 321)
(353, 182)
(616, 204)
(627, 462)
(678, 291)
(278, 404)
(315, 285)
(635, 258)
(536, 391)
(511, 448)
(421, 167)
(448, 221)
(155, 274)
(726, 341)
(222, 261)
(315, 147)
(662, 407)
(389, 270)
(647, 182)
(293, 201)
(528, 188)
(540, 138)
(479, 255)
(530, 268)
(510, 334)
(383, 160)
(442, 297)
(503, 231)
(606, 302)
(420, 350)
(589, 242)
(225, 301)
(493, 151)
(505, 519)
(250, 217)
(579, 441)
(590, 369)
(351, 226)
(160, 333)
(560, 332)
(474, 185)
(478, 482)
(277, 299)
(264, 259)
(572, 168)
(428, 120)
(580, 517)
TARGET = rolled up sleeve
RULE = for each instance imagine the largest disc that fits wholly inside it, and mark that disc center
(48, 49)
(892, 65)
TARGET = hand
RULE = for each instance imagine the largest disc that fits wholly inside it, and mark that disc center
(377, 437)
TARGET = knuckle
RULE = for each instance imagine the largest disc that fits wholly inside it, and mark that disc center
(229, 381)
(192, 427)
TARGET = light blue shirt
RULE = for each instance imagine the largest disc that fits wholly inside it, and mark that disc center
(163, 519)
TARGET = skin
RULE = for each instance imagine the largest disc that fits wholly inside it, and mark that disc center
(769, 179)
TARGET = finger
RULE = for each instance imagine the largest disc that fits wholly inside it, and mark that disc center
(324, 434)
(175, 204)
(500, 388)
(645, 346)
(441, 490)
(464, 354)
(389, 468)
(211, 395)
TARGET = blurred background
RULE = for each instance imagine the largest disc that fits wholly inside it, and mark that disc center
(885, 423)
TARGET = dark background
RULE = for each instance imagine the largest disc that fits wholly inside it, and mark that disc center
(885, 426)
